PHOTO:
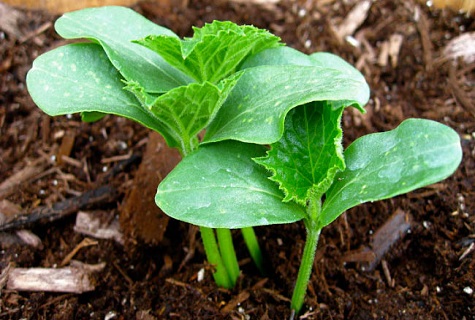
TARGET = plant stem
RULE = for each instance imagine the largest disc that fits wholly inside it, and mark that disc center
(228, 254)
(308, 256)
(305, 269)
(253, 246)
(220, 276)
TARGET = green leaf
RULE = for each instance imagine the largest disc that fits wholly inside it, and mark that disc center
(80, 78)
(219, 186)
(114, 28)
(309, 154)
(279, 56)
(255, 110)
(185, 110)
(383, 165)
(92, 116)
(214, 52)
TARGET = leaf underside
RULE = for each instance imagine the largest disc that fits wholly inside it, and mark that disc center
(214, 52)
(219, 186)
(309, 154)
(114, 28)
(383, 165)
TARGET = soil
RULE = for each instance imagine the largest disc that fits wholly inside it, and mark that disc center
(427, 272)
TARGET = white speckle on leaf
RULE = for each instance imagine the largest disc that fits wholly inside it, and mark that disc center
(73, 67)
(46, 88)
(391, 173)
(94, 76)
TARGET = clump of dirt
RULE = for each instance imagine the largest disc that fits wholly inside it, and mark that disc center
(426, 274)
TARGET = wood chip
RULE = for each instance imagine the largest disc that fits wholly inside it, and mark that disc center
(140, 218)
(353, 20)
(8, 211)
(384, 238)
(4, 277)
(67, 143)
(387, 235)
(462, 47)
(94, 224)
(29, 238)
(8, 186)
(395, 43)
(10, 20)
(69, 279)
(240, 298)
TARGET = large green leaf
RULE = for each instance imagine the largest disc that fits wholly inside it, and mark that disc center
(278, 56)
(219, 186)
(383, 165)
(255, 110)
(214, 52)
(185, 110)
(309, 154)
(114, 28)
(79, 78)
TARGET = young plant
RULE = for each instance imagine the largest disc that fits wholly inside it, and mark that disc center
(136, 69)
(226, 184)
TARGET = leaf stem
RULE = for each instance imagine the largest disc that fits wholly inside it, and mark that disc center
(221, 276)
(308, 256)
(254, 249)
(228, 254)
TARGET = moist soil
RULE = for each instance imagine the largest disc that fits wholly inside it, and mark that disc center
(425, 272)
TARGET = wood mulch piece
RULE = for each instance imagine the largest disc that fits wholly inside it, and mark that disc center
(425, 271)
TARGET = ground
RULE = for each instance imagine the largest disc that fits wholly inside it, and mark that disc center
(427, 273)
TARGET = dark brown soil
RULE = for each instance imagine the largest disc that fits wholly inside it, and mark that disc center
(427, 274)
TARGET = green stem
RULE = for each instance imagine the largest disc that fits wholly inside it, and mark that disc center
(313, 233)
(220, 275)
(228, 254)
(253, 246)
(223, 258)
(305, 270)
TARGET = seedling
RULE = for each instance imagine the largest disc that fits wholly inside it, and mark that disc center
(247, 91)
(305, 175)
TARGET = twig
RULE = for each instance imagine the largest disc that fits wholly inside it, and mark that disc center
(86, 242)
(9, 185)
(101, 195)
(422, 24)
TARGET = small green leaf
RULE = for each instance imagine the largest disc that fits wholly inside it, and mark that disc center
(185, 110)
(383, 165)
(214, 52)
(92, 116)
(255, 110)
(309, 154)
(80, 78)
(219, 186)
(114, 28)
